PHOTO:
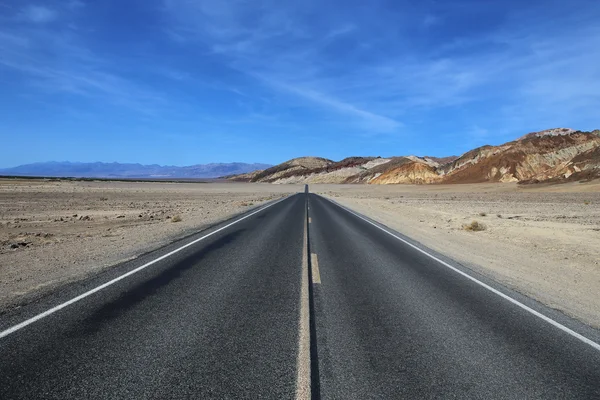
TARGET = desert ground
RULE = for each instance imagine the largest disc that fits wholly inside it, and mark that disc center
(543, 241)
(54, 232)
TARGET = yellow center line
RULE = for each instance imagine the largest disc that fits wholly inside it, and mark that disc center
(316, 275)
(303, 389)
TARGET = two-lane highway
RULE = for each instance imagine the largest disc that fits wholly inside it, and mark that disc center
(299, 299)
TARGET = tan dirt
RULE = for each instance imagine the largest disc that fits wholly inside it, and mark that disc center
(54, 232)
(543, 241)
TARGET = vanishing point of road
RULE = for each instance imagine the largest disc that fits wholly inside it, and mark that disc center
(298, 299)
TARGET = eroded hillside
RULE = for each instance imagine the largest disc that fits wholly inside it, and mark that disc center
(554, 155)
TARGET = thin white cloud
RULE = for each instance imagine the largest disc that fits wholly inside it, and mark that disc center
(371, 120)
(430, 20)
(38, 14)
(75, 4)
(341, 31)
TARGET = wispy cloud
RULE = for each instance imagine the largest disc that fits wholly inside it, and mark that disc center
(38, 14)
(341, 31)
(74, 4)
(371, 120)
(55, 60)
(430, 20)
(276, 48)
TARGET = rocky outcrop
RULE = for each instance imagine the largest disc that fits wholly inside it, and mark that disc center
(582, 167)
(439, 161)
(294, 167)
(415, 172)
(548, 132)
(334, 172)
(532, 157)
(375, 168)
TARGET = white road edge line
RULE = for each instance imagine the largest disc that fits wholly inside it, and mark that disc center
(119, 278)
(477, 281)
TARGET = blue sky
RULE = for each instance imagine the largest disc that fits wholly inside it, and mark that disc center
(183, 81)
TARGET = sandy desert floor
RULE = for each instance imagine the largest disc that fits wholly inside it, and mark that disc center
(54, 232)
(541, 241)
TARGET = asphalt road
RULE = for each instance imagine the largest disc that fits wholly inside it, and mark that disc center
(276, 305)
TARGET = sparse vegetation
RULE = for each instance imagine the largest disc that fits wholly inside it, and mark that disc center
(482, 214)
(176, 218)
(586, 202)
(499, 215)
(474, 226)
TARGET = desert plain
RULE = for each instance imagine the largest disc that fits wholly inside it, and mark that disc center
(53, 232)
(543, 241)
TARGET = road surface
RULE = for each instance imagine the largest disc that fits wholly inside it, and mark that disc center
(299, 299)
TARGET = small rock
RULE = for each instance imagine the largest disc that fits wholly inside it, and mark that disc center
(120, 216)
(14, 246)
(74, 215)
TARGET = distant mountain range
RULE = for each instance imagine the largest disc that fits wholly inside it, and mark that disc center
(124, 171)
(554, 155)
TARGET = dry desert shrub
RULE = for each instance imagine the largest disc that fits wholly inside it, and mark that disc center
(474, 227)
(176, 218)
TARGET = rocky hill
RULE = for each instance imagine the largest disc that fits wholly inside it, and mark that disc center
(537, 157)
(554, 155)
